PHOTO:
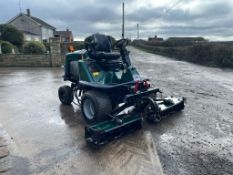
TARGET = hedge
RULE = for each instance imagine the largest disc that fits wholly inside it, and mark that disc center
(34, 47)
(211, 54)
(7, 47)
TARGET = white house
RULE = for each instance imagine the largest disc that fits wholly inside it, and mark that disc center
(33, 28)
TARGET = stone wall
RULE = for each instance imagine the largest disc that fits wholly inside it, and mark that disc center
(53, 59)
(55, 52)
(23, 60)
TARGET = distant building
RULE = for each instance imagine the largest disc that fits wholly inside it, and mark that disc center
(65, 36)
(33, 28)
(155, 39)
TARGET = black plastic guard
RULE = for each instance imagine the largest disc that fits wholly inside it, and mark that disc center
(178, 105)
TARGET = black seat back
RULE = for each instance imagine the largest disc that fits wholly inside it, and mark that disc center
(101, 43)
(100, 49)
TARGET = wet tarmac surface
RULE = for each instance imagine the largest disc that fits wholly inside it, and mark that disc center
(47, 137)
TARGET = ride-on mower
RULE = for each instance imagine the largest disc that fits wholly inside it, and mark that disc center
(113, 97)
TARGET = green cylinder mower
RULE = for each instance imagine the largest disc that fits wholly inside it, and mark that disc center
(112, 96)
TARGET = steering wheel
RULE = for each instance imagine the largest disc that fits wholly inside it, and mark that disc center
(121, 43)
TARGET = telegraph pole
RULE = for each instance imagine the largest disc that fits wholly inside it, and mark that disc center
(20, 6)
(137, 31)
(123, 20)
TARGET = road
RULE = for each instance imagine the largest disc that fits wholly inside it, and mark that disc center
(47, 137)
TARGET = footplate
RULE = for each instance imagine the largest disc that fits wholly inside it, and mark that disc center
(104, 132)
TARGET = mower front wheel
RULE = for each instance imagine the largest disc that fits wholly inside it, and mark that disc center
(95, 106)
(152, 112)
(65, 95)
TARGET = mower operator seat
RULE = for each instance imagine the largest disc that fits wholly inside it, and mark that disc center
(102, 43)
(102, 47)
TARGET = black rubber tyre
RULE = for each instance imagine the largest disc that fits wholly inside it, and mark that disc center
(65, 95)
(154, 109)
(95, 105)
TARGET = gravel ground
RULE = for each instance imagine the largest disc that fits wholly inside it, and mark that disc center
(198, 140)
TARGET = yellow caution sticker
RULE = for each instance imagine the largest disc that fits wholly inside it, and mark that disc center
(95, 73)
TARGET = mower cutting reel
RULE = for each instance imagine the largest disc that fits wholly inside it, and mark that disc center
(104, 132)
(113, 97)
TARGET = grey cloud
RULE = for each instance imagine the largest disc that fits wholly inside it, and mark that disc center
(85, 17)
(144, 14)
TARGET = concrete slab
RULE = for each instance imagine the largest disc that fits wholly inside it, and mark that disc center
(5, 165)
(4, 151)
(133, 154)
(2, 142)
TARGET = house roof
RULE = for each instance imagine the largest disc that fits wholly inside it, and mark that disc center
(43, 23)
(66, 33)
(37, 20)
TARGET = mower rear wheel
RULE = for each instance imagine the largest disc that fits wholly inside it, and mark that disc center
(65, 95)
(95, 106)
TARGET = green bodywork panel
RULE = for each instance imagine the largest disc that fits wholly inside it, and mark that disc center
(91, 71)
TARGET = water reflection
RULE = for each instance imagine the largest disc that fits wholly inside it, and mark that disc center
(71, 114)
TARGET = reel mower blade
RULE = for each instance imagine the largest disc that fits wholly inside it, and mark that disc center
(160, 108)
(104, 132)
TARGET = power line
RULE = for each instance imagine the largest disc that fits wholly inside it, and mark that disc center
(168, 9)
(165, 11)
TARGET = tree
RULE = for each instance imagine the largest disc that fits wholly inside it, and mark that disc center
(11, 34)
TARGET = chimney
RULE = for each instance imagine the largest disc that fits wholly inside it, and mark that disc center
(67, 29)
(28, 12)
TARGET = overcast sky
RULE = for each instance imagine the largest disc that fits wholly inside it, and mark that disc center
(212, 19)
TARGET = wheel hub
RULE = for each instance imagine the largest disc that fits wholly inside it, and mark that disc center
(89, 109)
